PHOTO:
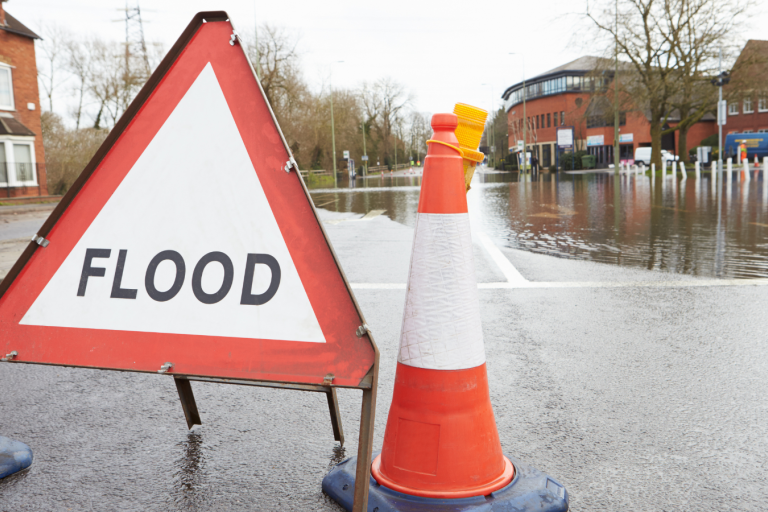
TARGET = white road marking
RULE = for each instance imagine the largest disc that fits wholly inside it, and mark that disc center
(506, 267)
(586, 284)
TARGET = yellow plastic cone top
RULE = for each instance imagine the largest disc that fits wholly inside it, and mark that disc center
(469, 132)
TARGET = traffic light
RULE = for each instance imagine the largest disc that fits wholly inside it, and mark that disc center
(721, 79)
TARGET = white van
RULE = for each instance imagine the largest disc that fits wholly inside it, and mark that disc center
(644, 155)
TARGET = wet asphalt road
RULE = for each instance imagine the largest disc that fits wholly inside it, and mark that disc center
(636, 398)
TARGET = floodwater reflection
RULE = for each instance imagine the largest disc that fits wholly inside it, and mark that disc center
(706, 227)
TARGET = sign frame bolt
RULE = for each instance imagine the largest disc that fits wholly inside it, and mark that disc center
(9, 356)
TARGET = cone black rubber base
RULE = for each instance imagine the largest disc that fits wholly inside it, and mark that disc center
(530, 490)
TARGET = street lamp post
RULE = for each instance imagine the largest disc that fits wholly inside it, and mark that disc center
(491, 139)
(722, 78)
(333, 128)
(365, 162)
(616, 146)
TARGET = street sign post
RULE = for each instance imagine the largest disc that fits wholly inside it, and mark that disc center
(208, 264)
(565, 141)
(346, 155)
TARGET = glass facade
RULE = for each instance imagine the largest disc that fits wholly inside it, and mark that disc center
(602, 121)
(559, 85)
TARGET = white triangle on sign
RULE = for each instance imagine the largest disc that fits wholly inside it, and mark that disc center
(194, 191)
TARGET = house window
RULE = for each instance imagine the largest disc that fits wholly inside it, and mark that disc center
(549, 120)
(17, 163)
(762, 103)
(6, 88)
(748, 106)
(733, 109)
(3, 165)
(537, 122)
(747, 131)
(562, 118)
(22, 154)
(762, 130)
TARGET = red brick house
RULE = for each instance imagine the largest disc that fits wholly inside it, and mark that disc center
(749, 112)
(564, 97)
(22, 158)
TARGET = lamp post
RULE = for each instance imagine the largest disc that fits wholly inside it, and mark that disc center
(525, 121)
(491, 134)
(722, 78)
(616, 146)
(365, 162)
(333, 129)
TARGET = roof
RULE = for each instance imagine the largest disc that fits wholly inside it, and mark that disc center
(580, 66)
(16, 27)
(10, 126)
(752, 63)
(586, 63)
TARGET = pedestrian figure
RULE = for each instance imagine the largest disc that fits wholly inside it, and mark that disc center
(534, 163)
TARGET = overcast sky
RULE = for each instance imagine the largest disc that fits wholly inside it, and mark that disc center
(442, 51)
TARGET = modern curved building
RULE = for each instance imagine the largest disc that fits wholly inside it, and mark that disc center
(565, 97)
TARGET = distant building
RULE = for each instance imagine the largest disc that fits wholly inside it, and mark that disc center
(22, 158)
(564, 97)
(749, 113)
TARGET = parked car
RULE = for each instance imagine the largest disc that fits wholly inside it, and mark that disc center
(644, 155)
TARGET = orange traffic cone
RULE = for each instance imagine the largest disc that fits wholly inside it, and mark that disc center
(441, 443)
(441, 439)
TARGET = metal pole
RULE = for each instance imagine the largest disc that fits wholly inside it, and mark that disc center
(616, 147)
(333, 140)
(365, 164)
(394, 133)
(333, 128)
(719, 125)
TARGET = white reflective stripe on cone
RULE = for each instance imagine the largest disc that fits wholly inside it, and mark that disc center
(441, 325)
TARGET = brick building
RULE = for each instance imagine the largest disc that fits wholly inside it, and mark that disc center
(749, 112)
(22, 158)
(564, 97)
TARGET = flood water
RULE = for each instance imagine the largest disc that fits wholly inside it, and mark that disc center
(690, 227)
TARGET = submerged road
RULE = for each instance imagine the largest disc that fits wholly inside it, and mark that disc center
(638, 390)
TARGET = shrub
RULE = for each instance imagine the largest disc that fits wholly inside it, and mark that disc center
(571, 161)
(67, 151)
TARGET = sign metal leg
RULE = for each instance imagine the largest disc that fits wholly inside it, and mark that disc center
(365, 445)
(333, 406)
(184, 387)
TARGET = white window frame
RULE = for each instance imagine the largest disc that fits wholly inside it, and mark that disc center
(748, 101)
(762, 103)
(733, 109)
(12, 106)
(10, 158)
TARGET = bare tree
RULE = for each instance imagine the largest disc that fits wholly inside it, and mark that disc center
(275, 57)
(50, 71)
(699, 36)
(665, 41)
(80, 55)
(385, 103)
(420, 128)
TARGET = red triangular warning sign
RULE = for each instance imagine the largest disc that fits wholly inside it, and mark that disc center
(186, 240)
